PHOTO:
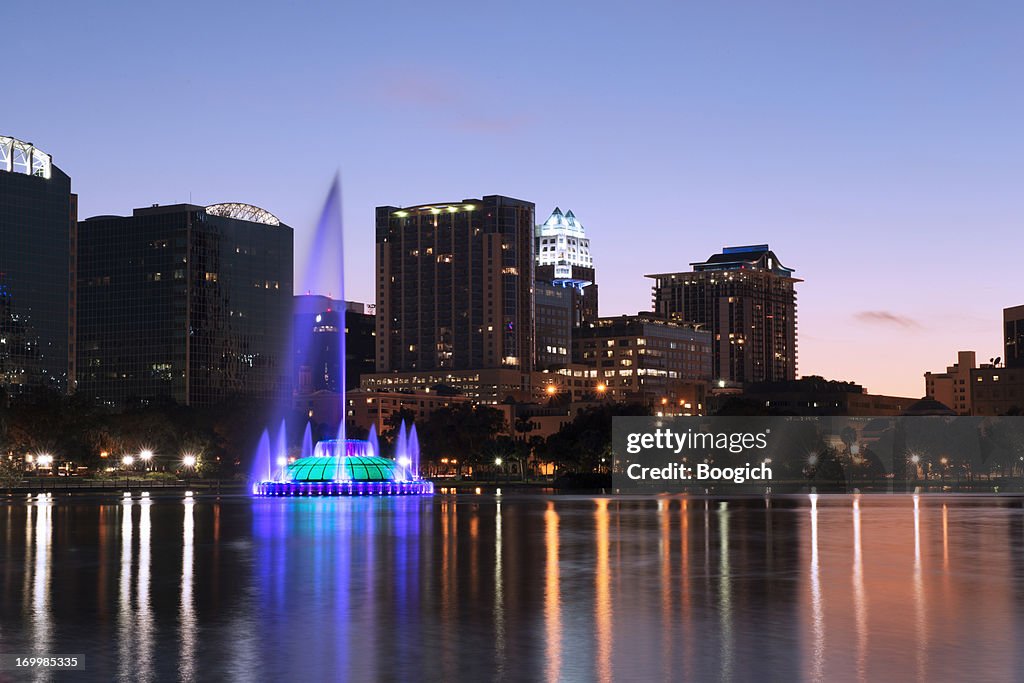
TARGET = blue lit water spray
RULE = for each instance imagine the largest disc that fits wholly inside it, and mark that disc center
(307, 441)
(414, 453)
(374, 444)
(327, 258)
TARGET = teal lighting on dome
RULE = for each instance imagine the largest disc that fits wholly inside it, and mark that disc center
(350, 468)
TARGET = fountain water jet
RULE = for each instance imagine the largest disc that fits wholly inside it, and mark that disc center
(339, 466)
(414, 452)
(263, 467)
(374, 445)
(307, 441)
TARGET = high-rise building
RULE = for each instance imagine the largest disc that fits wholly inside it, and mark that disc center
(553, 315)
(563, 258)
(38, 218)
(315, 340)
(646, 358)
(455, 285)
(185, 302)
(1013, 333)
(747, 299)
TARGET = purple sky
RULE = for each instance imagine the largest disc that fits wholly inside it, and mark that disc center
(877, 147)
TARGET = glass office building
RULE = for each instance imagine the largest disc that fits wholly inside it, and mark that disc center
(455, 285)
(38, 216)
(185, 303)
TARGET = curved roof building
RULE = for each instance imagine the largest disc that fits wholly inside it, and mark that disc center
(38, 217)
(204, 293)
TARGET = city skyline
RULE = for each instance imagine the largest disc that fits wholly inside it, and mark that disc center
(878, 168)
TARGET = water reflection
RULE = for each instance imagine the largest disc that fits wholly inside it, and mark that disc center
(187, 614)
(552, 598)
(519, 588)
(42, 628)
(817, 606)
(920, 612)
(499, 589)
(144, 626)
(124, 612)
(860, 608)
(602, 592)
(725, 592)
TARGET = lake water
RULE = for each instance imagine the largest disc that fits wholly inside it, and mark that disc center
(529, 587)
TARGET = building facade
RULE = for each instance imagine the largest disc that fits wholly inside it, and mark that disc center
(316, 331)
(747, 299)
(997, 390)
(38, 221)
(185, 303)
(953, 387)
(648, 359)
(487, 386)
(376, 408)
(563, 256)
(553, 316)
(1013, 336)
(816, 396)
(455, 285)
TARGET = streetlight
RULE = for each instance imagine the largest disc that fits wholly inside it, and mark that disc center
(145, 455)
(126, 462)
(189, 461)
(497, 463)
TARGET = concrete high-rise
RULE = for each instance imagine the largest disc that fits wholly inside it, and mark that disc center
(455, 285)
(952, 388)
(185, 303)
(38, 217)
(645, 358)
(747, 299)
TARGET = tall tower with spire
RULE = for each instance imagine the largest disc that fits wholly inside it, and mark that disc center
(563, 259)
(566, 296)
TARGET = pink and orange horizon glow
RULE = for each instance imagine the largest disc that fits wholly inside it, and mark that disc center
(876, 148)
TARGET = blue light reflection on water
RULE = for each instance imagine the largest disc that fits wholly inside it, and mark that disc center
(533, 587)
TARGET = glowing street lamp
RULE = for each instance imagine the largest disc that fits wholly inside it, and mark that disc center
(127, 461)
(551, 389)
(497, 461)
(145, 455)
(189, 460)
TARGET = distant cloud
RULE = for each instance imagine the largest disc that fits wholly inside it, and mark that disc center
(887, 318)
(439, 98)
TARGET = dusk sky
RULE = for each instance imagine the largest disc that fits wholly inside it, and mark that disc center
(877, 147)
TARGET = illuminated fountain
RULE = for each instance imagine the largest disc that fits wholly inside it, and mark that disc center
(339, 466)
(349, 467)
